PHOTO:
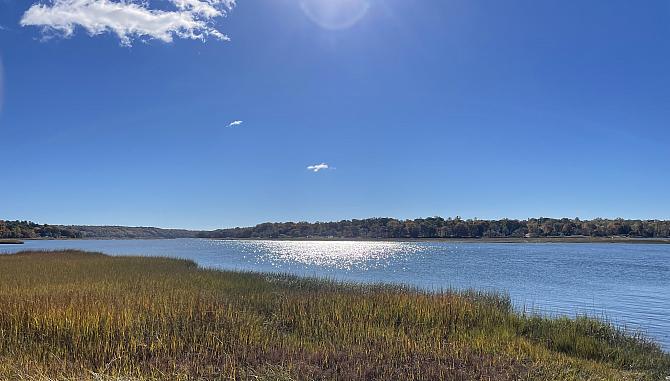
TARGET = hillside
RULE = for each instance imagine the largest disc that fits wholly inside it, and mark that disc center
(31, 230)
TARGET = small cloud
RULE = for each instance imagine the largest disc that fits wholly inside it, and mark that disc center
(235, 123)
(318, 167)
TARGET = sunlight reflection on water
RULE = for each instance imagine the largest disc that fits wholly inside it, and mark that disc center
(343, 255)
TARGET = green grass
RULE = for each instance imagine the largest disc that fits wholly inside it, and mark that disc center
(83, 316)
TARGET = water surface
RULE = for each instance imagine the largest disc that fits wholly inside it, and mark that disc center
(628, 284)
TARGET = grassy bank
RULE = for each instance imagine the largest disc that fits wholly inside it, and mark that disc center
(75, 315)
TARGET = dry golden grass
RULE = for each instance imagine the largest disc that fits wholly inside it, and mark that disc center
(83, 316)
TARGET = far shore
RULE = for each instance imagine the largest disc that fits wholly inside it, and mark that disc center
(469, 240)
(572, 239)
(10, 242)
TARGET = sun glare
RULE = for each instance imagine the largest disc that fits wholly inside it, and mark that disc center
(335, 14)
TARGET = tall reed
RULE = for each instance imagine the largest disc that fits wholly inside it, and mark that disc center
(75, 315)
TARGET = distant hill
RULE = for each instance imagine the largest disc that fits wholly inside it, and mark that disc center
(130, 232)
(371, 228)
(27, 229)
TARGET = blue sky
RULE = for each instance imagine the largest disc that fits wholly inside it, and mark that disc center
(453, 107)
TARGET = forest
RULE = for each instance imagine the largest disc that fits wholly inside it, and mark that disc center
(371, 228)
(438, 227)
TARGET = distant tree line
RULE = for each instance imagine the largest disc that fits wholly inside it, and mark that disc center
(27, 229)
(438, 227)
(371, 228)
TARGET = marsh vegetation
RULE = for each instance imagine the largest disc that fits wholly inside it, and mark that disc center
(78, 315)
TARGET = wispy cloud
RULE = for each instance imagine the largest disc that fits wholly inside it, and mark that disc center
(130, 19)
(318, 167)
(235, 123)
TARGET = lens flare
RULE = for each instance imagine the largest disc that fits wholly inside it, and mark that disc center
(335, 14)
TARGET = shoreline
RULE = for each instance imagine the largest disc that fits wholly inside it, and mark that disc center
(662, 241)
(508, 240)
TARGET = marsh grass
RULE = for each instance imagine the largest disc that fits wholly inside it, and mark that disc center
(87, 316)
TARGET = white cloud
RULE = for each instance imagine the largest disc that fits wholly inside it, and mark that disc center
(130, 19)
(318, 167)
(235, 123)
